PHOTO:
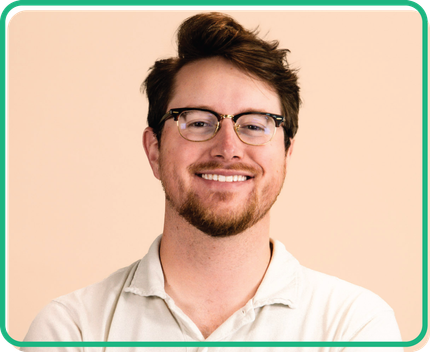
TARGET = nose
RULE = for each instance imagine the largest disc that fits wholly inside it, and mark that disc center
(226, 143)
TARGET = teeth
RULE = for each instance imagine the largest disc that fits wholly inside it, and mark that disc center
(222, 178)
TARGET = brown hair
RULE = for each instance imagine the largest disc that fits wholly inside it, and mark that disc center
(215, 34)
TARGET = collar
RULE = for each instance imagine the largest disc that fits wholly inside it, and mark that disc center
(280, 284)
(148, 279)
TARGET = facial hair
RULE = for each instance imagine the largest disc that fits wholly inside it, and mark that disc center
(207, 219)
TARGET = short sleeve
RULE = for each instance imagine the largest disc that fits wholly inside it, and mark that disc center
(383, 327)
(53, 323)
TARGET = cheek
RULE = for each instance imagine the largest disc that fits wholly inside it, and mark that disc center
(277, 170)
(272, 161)
(174, 161)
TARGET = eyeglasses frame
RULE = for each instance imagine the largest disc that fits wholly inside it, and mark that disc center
(174, 113)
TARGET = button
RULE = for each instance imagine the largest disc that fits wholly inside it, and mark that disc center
(205, 349)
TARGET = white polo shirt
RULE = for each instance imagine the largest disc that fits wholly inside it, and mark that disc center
(293, 303)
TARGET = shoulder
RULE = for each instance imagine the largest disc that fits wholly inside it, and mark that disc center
(88, 309)
(328, 306)
(338, 294)
(316, 289)
(322, 287)
(101, 292)
(356, 312)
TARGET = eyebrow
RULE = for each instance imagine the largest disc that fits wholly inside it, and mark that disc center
(222, 113)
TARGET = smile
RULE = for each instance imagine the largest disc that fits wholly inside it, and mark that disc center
(222, 178)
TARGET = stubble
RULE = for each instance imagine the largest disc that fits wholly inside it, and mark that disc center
(210, 220)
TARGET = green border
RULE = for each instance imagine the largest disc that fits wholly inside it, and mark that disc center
(222, 3)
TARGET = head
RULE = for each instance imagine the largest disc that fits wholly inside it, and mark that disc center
(227, 69)
(214, 34)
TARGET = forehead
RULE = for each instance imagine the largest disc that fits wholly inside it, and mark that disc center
(219, 85)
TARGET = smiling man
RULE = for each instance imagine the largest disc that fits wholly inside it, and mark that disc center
(221, 174)
(222, 120)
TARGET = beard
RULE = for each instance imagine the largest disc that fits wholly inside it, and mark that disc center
(216, 223)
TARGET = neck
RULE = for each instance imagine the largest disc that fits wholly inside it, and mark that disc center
(211, 278)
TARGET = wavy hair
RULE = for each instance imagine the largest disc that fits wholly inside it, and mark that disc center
(214, 34)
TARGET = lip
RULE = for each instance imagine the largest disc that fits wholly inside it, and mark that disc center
(233, 183)
(235, 177)
(222, 178)
(225, 173)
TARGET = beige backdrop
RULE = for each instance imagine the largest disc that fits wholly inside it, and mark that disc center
(82, 201)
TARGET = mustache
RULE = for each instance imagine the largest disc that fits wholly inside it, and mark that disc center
(213, 165)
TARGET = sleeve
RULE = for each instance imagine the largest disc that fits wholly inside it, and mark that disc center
(382, 327)
(53, 323)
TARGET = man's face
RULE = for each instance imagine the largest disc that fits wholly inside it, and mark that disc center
(214, 207)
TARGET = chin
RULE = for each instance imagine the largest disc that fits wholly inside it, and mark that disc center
(220, 223)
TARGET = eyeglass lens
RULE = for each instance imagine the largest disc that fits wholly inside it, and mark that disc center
(197, 125)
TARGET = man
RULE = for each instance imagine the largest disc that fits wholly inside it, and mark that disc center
(222, 120)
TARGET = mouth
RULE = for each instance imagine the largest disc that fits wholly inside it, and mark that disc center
(224, 178)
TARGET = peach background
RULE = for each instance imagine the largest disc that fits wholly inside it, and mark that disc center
(82, 201)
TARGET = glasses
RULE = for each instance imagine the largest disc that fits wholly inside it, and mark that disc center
(199, 125)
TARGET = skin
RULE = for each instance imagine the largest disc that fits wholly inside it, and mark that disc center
(209, 277)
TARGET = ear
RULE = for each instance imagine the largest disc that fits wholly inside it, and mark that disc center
(150, 144)
(289, 152)
(290, 149)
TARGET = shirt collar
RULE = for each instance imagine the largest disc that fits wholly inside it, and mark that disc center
(279, 286)
(148, 279)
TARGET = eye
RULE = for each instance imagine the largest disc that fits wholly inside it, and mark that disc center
(254, 125)
(198, 124)
(197, 119)
(255, 128)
